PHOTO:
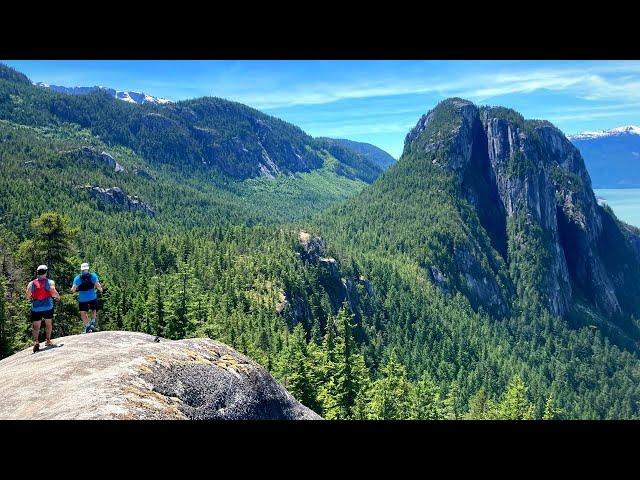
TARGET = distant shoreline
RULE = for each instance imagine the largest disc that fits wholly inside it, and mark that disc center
(625, 202)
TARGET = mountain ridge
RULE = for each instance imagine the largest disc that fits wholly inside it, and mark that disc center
(377, 155)
(130, 96)
(587, 135)
(204, 133)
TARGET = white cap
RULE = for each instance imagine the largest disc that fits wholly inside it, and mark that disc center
(42, 267)
(84, 266)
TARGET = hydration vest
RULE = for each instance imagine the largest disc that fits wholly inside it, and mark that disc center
(86, 282)
(40, 289)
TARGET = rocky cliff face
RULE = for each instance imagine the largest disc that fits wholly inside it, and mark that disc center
(522, 176)
(126, 375)
(115, 196)
(103, 158)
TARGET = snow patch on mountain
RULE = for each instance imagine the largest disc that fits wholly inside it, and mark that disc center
(138, 98)
(628, 129)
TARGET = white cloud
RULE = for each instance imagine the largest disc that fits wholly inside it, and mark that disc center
(585, 116)
(595, 81)
(345, 130)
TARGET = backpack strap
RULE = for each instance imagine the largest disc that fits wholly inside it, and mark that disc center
(47, 284)
(37, 285)
(86, 282)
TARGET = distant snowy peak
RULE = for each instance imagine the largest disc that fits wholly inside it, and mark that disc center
(139, 98)
(131, 97)
(629, 129)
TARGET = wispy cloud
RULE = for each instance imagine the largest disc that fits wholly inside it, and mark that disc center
(587, 116)
(346, 130)
(605, 81)
(269, 87)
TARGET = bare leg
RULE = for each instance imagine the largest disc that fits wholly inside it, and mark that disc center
(85, 318)
(48, 325)
(36, 332)
(94, 316)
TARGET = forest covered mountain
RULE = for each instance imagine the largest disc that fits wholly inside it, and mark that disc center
(376, 155)
(477, 277)
(229, 156)
(523, 217)
(205, 133)
(491, 212)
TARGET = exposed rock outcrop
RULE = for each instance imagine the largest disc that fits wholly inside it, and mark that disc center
(126, 375)
(339, 287)
(116, 196)
(100, 157)
(312, 247)
(313, 250)
(140, 172)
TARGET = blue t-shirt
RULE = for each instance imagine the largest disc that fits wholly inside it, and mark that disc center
(86, 295)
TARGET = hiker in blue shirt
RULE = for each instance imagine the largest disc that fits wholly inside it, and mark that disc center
(86, 284)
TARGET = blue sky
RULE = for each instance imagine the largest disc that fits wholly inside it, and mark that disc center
(375, 101)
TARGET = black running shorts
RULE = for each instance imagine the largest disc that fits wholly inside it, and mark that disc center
(86, 306)
(39, 316)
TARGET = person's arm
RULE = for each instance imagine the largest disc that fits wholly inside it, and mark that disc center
(74, 287)
(28, 291)
(54, 292)
(98, 286)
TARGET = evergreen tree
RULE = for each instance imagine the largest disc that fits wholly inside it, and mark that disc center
(346, 376)
(478, 406)
(4, 337)
(51, 244)
(515, 405)
(299, 379)
(317, 371)
(330, 392)
(181, 304)
(349, 384)
(362, 407)
(390, 399)
(550, 410)
(156, 307)
(452, 402)
(425, 400)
